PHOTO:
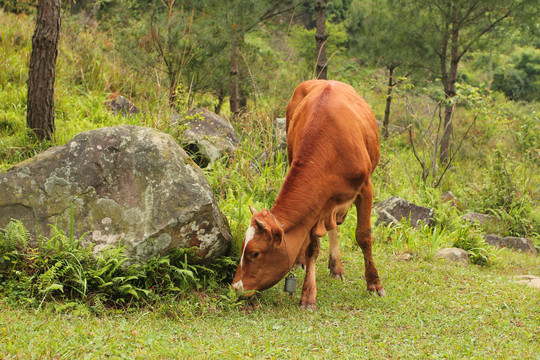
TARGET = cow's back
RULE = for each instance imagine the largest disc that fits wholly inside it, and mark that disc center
(329, 123)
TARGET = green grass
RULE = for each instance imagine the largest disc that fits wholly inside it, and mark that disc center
(434, 309)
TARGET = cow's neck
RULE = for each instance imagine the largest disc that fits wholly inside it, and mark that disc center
(298, 206)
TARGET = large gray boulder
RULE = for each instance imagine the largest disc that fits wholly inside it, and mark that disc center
(394, 209)
(516, 243)
(124, 184)
(206, 135)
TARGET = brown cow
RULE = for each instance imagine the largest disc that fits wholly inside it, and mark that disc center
(333, 148)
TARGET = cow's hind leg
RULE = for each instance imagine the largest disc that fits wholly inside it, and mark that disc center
(309, 291)
(334, 260)
(363, 237)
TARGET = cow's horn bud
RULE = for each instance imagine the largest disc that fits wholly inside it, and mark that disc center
(252, 209)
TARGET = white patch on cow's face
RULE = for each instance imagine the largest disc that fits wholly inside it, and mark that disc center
(238, 286)
(250, 233)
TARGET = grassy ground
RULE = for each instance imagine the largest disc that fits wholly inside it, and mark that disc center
(434, 309)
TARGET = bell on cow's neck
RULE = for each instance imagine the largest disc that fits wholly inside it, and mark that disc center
(290, 284)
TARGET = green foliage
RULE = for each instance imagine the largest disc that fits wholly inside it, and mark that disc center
(403, 238)
(335, 11)
(303, 42)
(377, 35)
(60, 269)
(19, 6)
(518, 74)
(422, 243)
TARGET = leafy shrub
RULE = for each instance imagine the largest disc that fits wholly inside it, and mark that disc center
(59, 268)
(519, 77)
(478, 251)
(18, 6)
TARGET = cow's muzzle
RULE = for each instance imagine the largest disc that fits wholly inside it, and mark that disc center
(238, 286)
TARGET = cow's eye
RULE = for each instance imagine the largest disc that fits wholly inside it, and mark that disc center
(254, 254)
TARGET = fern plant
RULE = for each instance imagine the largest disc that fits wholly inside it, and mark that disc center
(14, 237)
(62, 270)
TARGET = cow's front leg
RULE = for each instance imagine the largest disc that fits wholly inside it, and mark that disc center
(309, 290)
(334, 260)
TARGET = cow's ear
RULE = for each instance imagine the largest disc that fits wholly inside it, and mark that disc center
(260, 224)
(277, 235)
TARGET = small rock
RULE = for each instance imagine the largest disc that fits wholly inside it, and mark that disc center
(451, 198)
(455, 255)
(530, 280)
(121, 105)
(403, 257)
(516, 243)
(394, 209)
(280, 132)
(477, 218)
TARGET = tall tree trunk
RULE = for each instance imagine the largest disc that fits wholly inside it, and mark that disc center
(41, 73)
(320, 38)
(449, 82)
(235, 93)
(386, 120)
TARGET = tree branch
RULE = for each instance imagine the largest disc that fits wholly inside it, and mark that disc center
(459, 147)
(468, 46)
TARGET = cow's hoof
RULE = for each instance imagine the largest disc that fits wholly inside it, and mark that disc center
(337, 276)
(308, 307)
(381, 292)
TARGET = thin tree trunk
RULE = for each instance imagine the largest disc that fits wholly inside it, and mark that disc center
(320, 38)
(386, 120)
(490, 82)
(235, 93)
(449, 81)
(42, 67)
(173, 93)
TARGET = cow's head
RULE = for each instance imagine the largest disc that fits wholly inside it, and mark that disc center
(264, 261)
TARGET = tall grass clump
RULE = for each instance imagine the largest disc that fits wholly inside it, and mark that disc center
(478, 251)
